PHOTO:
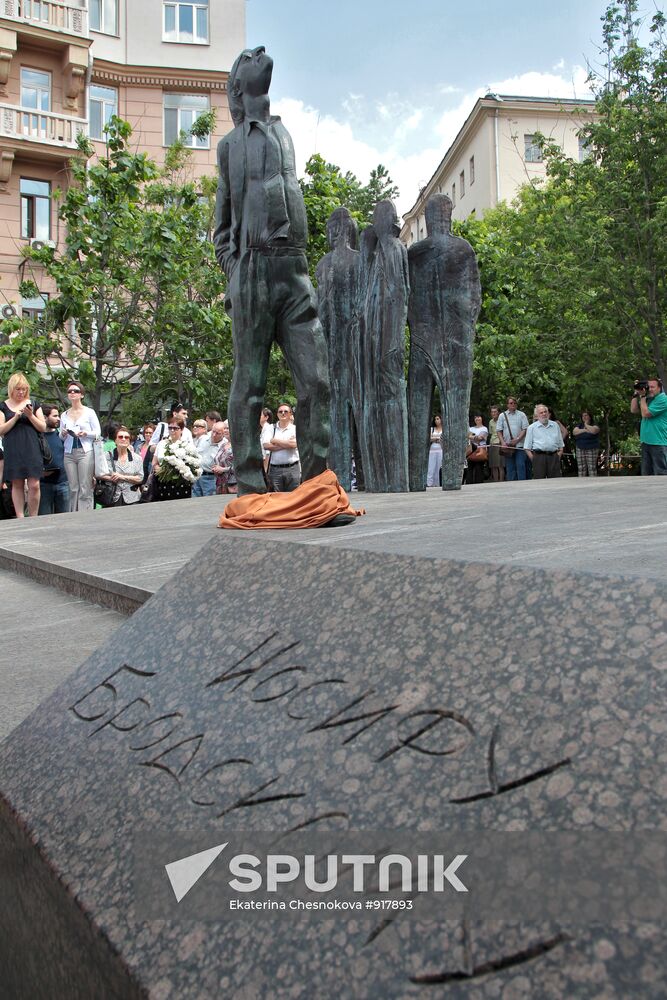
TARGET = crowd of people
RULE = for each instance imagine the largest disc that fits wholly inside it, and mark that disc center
(510, 447)
(52, 461)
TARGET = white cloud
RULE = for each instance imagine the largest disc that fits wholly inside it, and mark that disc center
(323, 134)
(535, 84)
(409, 141)
(414, 120)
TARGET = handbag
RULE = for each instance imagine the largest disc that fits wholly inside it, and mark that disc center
(148, 488)
(105, 490)
(504, 448)
(480, 454)
(47, 457)
(101, 462)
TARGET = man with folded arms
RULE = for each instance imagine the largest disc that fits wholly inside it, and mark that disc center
(284, 469)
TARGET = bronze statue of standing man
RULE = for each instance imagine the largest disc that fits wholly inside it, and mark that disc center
(260, 243)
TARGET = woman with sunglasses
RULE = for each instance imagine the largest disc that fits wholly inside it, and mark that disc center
(21, 420)
(177, 486)
(79, 427)
(127, 470)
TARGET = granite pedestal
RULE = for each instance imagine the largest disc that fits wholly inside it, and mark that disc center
(271, 686)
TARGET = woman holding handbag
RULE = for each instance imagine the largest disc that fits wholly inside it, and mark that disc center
(477, 435)
(126, 472)
(79, 426)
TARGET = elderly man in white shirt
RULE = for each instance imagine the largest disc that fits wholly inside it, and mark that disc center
(208, 446)
(544, 445)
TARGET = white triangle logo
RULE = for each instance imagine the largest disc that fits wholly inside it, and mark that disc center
(186, 871)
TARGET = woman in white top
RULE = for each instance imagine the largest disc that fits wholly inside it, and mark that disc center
(478, 436)
(79, 427)
(435, 453)
(127, 470)
(265, 433)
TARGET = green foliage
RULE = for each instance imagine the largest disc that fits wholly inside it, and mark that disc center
(139, 304)
(574, 272)
(327, 188)
(630, 445)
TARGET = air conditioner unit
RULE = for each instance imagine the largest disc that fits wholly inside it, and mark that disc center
(8, 312)
(40, 244)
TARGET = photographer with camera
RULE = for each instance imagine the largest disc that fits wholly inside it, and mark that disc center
(650, 401)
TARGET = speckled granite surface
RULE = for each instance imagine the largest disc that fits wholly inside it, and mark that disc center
(549, 691)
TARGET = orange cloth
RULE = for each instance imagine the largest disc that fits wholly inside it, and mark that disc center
(309, 506)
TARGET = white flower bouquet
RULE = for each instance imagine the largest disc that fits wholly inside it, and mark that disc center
(180, 460)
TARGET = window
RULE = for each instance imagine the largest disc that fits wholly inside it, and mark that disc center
(462, 183)
(533, 151)
(34, 308)
(103, 104)
(104, 16)
(35, 209)
(453, 194)
(35, 93)
(185, 22)
(36, 10)
(180, 113)
(471, 171)
(584, 150)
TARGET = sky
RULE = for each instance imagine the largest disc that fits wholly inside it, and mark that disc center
(364, 82)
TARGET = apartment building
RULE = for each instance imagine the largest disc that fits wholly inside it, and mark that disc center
(495, 153)
(66, 67)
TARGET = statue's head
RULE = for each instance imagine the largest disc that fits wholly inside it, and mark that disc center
(341, 229)
(385, 219)
(438, 214)
(250, 76)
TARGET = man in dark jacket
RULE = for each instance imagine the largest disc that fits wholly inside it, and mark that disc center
(54, 488)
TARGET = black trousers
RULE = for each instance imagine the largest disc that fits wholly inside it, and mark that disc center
(546, 465)
(271, 298)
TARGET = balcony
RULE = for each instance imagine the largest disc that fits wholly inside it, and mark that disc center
(42, 16)
(41, 134)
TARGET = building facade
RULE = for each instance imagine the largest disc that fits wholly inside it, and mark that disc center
(66, 67)
(495, 153)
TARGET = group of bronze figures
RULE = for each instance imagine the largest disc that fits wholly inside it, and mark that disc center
(365, 298)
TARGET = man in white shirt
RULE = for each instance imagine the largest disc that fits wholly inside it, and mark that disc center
(162, 429)
(284, 470)
(208, 446)
(544, 445)
(511, 429)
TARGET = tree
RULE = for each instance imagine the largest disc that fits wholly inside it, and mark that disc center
(617, 234)
(139, 293)
(573, 273)
(326, 188)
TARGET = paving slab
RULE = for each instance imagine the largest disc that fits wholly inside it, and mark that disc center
(46, 634)
(600, 526)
